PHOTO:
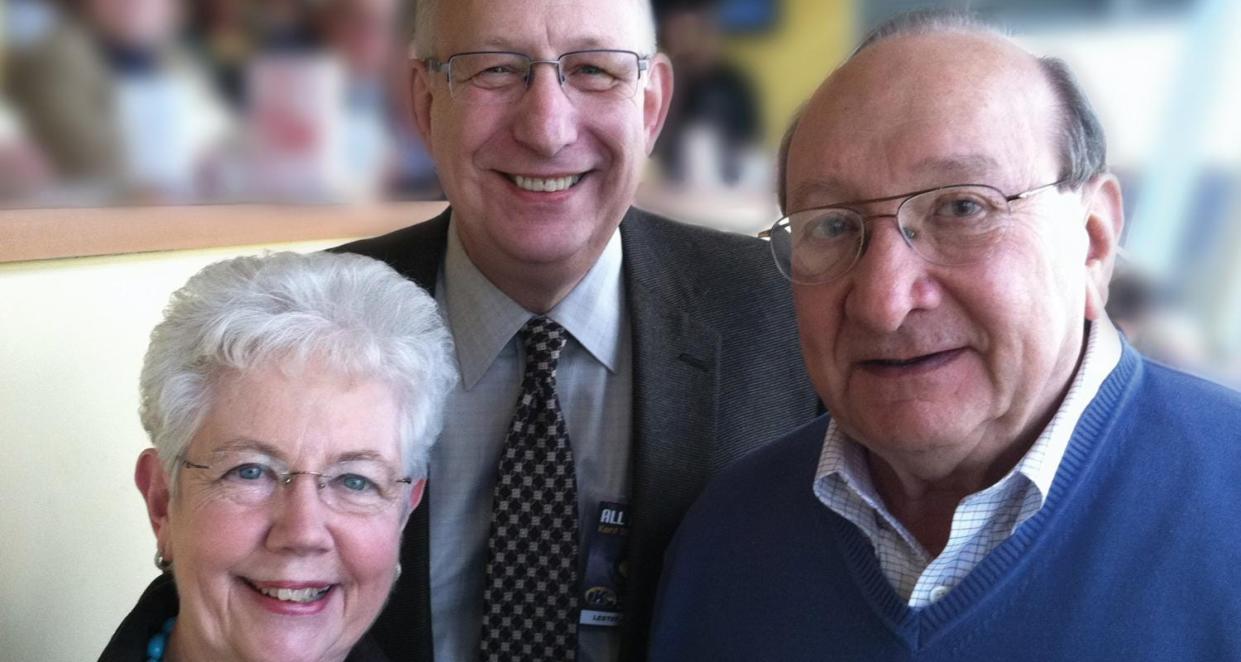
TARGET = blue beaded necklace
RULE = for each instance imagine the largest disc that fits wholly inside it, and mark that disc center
(159, 642)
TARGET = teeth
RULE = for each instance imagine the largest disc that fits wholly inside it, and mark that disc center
(548, 185)
(294, 594)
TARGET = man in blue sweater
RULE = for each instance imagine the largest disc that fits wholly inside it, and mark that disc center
(1002, 477)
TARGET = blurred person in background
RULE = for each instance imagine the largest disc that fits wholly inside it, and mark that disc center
(1154, 322)
(713, 137)
(364, 35)
(112, 98)
(26, 170)
(285, 25)
(1132, 300)
(61, 92)
(1001, 476)
(222, 33)
(168, 116)
(291, 401)
(320, 109)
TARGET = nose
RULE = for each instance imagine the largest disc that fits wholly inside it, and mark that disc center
(299, 518)
(889, 281)
(546, 119)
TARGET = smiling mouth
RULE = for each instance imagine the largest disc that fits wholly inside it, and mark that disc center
(296, 595)
(545, 184)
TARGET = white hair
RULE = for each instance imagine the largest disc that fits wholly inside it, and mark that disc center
(353, 314)
(426, 20)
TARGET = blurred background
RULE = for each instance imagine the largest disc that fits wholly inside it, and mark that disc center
(167, 101)
(190, 116)
(142, 102)
(1164, 77)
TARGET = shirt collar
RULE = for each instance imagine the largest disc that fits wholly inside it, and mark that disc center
(844, 459)
(1102, 355)
(484, 319)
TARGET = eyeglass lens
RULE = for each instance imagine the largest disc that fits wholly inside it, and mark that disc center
(502, 77)
(356, 486)
(949, 226)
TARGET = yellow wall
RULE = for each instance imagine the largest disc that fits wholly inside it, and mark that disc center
(788, 63)
(75, 546)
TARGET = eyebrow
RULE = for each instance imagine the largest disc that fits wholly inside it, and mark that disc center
(817, 187)
(360, 456)
(247, 444)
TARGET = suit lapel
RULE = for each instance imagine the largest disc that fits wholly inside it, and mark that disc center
(675, 373)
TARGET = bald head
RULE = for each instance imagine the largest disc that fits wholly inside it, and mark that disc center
(923, 110)
(928, 60)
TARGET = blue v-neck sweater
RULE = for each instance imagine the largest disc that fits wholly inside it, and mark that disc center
(1136, 554)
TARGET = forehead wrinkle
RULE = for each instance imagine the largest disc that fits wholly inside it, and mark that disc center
(965, 168)
(893, 120)
(562, 36)
(932, 172)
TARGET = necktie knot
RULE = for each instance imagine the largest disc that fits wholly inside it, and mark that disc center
(543, 340)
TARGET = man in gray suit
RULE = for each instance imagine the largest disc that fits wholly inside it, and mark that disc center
(681, 351)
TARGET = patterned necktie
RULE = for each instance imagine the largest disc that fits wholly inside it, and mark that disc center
(530, 594)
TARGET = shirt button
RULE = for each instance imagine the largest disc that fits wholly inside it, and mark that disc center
(939, 592)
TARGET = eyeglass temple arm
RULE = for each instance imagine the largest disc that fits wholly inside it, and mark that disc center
(1038, 189)
(767, 234)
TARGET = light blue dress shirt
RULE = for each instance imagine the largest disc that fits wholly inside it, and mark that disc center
(595, 386)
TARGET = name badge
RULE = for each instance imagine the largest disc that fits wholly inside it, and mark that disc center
(607, 570)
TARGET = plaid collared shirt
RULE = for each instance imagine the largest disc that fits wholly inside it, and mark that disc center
(982, 520)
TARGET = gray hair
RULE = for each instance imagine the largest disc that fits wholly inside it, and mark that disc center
(1083, 146)
(426, 16)
(353, 313)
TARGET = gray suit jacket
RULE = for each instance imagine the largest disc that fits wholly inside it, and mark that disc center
(716, 371)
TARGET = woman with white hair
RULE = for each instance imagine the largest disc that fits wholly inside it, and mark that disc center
(291, 400)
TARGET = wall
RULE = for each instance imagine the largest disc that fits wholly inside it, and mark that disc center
(788, 63)
(75, 546)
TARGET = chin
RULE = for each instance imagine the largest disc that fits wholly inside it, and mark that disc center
(285, 643)
(550, 246)
(295, 652)
(911, 432)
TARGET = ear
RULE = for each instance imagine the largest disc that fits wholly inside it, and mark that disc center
(418, 489)
(152, 482)
(420, 98)
(656, 98)
(1104, 224)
